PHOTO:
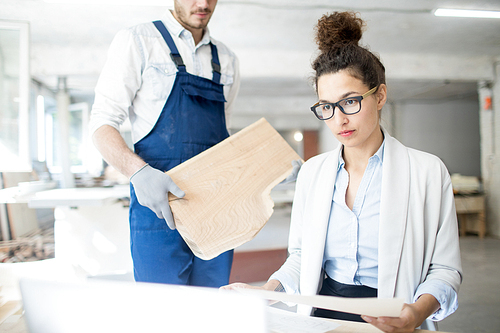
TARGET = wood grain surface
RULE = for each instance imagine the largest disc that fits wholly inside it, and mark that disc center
(228, 188)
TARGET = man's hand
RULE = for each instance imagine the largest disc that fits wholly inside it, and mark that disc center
(151, 188)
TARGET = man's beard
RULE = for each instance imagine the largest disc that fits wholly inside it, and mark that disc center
(186, 22)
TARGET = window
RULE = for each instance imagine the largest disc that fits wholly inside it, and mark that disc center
(83, 157)
(14, 96)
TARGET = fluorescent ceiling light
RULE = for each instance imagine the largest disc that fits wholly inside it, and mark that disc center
(467, 13)
(163, 3)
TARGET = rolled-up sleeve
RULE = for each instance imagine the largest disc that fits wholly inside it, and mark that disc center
(233, 91)
(118, 83)
(444, 275)
(444, 294)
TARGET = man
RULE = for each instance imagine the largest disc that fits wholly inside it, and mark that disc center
(176, 84)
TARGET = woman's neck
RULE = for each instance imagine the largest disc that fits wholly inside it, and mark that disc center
(357, 157)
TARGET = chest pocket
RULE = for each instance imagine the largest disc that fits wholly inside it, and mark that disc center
(203, 91)
(226, 79)
(159, 78)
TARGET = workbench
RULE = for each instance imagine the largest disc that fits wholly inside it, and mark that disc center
(470, 211)
(91, 228)
(14, 322)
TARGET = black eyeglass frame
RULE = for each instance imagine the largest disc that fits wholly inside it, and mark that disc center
(334, 105)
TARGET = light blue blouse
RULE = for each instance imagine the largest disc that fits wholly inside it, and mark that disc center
(351, 251)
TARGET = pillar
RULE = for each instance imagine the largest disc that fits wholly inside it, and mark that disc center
(489, 120)
(63, 101)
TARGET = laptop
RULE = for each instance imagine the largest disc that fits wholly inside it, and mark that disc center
(118, 306)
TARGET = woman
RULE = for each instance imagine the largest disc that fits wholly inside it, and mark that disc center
(371, 218)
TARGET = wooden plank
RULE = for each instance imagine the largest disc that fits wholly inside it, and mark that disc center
(8, 309)
(228, 189)
(469, 204)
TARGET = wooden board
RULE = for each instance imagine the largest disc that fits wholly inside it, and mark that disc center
(8, 309)
(228, 189)
(22, 220)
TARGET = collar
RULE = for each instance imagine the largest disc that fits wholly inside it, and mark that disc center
(378, 155)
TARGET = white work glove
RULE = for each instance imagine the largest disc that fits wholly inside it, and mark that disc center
(151, 189)
(296, 164)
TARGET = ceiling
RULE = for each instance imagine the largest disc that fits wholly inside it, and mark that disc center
(272, 38)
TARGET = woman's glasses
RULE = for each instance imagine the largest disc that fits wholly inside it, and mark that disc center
(350, 105)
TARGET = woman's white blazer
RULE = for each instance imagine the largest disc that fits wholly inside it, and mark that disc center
(418, 231)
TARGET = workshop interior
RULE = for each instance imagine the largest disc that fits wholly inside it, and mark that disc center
(65, 246)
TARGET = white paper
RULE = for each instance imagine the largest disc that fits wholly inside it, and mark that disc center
(375, 307)
(282, 321)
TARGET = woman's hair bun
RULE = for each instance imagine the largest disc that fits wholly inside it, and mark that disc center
(338, 28)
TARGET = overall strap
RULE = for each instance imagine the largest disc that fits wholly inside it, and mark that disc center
(177, 59)
(174, 53)
(215, 64)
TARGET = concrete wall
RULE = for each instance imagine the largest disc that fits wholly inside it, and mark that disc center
(448, 129)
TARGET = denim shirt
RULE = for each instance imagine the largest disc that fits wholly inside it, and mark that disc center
(139, 74)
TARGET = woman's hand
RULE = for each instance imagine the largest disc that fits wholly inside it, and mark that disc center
(406, 322)
(239, 285)
(272, 285)
(412, 316)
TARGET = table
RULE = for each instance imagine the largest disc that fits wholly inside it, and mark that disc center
(467, 206)
(91, 229)
(14, 323)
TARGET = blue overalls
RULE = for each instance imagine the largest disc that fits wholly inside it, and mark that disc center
(191, 121)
